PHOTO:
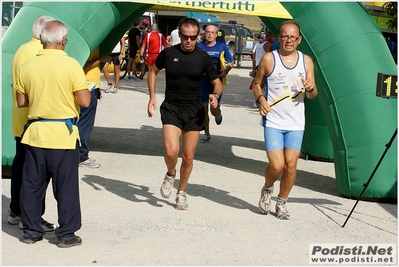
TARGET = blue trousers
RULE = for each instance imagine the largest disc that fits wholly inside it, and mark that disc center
(86, 124)
(16, 177)
(62, 166)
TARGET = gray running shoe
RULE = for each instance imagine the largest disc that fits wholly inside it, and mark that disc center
(114, 90)
(31, 241)
(47, 227)
(281, 211)
(181, 201)
(167, 185)
(205, 139)
(90, 163)
(109, 88)
(13, 219)
(265, 200)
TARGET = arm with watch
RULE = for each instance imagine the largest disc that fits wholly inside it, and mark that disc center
(217, 91)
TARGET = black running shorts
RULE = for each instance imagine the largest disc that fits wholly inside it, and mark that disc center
(187, 118)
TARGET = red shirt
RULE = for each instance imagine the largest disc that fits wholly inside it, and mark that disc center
(154, 42)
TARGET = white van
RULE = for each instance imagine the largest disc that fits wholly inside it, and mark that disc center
(150, 16)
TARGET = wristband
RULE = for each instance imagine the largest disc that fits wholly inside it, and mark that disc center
(217, 96)
(311, 90)
(257, 100)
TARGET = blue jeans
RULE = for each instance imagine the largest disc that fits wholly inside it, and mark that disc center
(86, 125)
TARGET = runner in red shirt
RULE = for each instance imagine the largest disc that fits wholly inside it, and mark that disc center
(153, 43)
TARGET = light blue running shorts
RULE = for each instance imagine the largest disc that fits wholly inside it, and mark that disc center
(280, 139)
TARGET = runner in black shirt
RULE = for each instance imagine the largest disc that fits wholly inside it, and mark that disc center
(134, 37)
(182, 112)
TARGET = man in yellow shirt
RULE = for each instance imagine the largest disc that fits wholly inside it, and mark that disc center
(19, 119)
(53, 86)
(88, 114)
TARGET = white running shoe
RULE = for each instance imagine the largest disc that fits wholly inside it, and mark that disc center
(281, 211)
(90, 163)
(265, 200)
(109, 88)
(167, 185)
(181, 201)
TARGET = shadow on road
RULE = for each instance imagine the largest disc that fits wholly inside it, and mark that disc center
(135, 142)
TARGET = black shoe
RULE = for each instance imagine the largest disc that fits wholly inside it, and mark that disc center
(47, 227)
(28, 240)
(76, 241)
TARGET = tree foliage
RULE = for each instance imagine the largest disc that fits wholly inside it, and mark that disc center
(391, 8)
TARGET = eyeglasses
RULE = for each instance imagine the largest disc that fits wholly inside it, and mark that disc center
(186, 37)
(286, 37)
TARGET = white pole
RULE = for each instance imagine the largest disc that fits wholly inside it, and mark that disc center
(13, 11)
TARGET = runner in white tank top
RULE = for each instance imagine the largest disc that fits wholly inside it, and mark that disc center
(289, 76)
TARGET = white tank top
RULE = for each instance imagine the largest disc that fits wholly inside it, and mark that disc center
(259, 52)
(283, 82)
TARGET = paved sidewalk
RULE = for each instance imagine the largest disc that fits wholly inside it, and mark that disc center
(127, 222)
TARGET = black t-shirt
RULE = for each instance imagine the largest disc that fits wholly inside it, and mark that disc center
(183, 74)
(132, 37)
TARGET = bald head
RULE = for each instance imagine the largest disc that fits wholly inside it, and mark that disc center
(212, 28)
(154, 27)
(54, 32)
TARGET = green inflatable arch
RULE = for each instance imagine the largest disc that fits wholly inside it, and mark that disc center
(348, 50)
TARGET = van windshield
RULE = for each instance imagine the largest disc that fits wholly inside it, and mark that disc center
(228, 30)
(147, 18)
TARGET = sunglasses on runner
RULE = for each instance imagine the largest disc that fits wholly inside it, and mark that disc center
(186, 37)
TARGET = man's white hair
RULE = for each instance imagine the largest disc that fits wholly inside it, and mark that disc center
(38, 26)
(53, 32)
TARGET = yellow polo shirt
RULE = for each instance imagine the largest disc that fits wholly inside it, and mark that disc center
(94, 74)
(24, 53)
(50, 80)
